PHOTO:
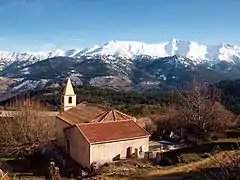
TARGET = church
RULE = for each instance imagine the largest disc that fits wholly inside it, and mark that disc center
(96, 134)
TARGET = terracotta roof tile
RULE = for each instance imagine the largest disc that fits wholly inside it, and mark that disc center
(111, 131)
(87, 112)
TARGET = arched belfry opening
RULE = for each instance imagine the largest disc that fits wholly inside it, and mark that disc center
(70, 100)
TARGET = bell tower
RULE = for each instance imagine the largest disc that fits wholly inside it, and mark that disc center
(68, 97)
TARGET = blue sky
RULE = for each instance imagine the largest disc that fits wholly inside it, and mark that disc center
(29, 25)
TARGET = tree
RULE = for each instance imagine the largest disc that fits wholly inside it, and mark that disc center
(200, 112)
(27, 129)
(148, 124)
(168, 123)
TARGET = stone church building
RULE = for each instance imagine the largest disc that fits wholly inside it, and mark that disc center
(92, 133)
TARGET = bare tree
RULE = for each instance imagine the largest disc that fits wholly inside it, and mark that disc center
(198, 115)
(30, 127)
(168, 123)
(201, 113)
(227, 168)
(148, 124)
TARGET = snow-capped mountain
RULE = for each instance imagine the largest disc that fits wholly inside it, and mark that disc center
(121, 65)
(196, 51)
(130, 49)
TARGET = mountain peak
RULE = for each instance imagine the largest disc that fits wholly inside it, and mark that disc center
(133, 49)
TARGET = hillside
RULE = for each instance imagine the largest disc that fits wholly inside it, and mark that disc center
(131, 101)
(135, 103)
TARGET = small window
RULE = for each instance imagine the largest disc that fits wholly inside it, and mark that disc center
(70, 100)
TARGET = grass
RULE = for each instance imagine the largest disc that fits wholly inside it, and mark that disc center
(8, 159)
(190, 157)
(21, 174)
(189, 171)
(197, 152)
(237, 130)
(195, 158)
(227, 140)
(233, 133)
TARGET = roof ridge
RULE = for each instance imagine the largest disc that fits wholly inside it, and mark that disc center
(104, 117)
(103, 122)
(98, 105)
(123, 114)
(86, 111)
(100, 115)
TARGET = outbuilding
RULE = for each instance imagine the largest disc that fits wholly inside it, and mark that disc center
(105, 142)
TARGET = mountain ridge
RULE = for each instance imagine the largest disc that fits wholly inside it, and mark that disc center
(121, 65)
(129, 49)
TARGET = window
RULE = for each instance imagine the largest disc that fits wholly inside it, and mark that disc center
(70, 100)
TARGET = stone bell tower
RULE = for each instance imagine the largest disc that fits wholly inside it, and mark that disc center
(68, 97)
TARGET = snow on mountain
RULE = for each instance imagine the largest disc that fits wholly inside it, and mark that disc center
(127, 49)
(8, 57)
(197, 52)
(30, 85)
(192, 50)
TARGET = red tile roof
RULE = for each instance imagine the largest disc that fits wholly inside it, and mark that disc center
(111, 131)
(87, 112)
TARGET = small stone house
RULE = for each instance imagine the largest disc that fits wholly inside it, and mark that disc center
(93, 133)
(105, 142)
